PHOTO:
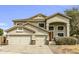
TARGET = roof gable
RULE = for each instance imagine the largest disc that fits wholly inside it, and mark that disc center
(54, 15)
(36, 27)
(33, 18)
(41, 17)
(38, 15)
(14, 27)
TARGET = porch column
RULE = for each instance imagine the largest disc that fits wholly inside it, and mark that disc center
(33, 37)
(68, 29)
(47, 26)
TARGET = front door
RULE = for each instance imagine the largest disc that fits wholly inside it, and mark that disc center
(50, 36)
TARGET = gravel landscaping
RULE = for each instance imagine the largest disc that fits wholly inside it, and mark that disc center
(64, 49)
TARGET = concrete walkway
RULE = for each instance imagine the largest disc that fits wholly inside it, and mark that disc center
(29, 49)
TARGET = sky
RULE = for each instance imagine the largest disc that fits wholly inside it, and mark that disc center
(11, 12)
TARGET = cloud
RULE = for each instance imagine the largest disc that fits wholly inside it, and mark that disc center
(3, 24)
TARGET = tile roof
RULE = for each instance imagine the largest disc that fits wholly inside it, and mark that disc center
(20, 27)
(31, 18)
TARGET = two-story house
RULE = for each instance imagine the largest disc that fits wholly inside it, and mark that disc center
(38, 29)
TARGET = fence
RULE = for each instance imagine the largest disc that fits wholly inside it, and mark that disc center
(3, 40)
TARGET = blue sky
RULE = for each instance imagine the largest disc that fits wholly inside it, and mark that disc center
(11, 12)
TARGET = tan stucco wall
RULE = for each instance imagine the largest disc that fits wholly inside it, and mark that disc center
(38, 17)
(34, 21)
(39, 40)
(59, 19)
(37, 30)
(55, 30)
(24, 32)
(37, 23)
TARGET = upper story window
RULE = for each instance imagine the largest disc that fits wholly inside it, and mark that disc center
(41, 25)
(51, 28)
(19, 24)
(60, 28)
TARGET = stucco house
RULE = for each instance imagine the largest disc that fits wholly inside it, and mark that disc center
(38, 29)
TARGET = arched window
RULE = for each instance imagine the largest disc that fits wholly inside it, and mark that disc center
(19, 24)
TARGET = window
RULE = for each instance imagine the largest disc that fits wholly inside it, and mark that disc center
(19, 29)
(51, 28)
(41, 25)
(60, 28)
(60, 34)
(19, 23)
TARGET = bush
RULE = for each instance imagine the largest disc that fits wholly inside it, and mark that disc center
(65, 41)
(77, 36)
(1, 32)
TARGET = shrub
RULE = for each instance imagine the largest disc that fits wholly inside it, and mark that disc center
(77, 36)
(65, 41)
(1, 32)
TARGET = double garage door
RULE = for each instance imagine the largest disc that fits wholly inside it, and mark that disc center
(19, 39)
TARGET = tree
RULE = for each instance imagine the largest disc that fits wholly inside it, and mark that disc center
(1, 32)
(74, 22)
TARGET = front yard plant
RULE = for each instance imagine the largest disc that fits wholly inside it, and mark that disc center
(65, 40)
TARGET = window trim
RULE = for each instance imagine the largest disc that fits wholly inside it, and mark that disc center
(51, 26)
(18, 24)
(42, 23)
(59, 26)
(19, 30)
(62, 33)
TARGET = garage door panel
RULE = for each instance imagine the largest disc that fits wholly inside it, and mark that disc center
(19, 39)
(40, 40)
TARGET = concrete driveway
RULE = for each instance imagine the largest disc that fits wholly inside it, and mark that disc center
(29, 49)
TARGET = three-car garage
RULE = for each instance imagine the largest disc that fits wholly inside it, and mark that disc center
(27, 36)
(26, 39)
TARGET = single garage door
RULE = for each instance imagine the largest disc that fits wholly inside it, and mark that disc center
(40, 40)
(13, 39)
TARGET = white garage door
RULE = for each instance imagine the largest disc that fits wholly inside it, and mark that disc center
(40, 40)
(19, 39)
